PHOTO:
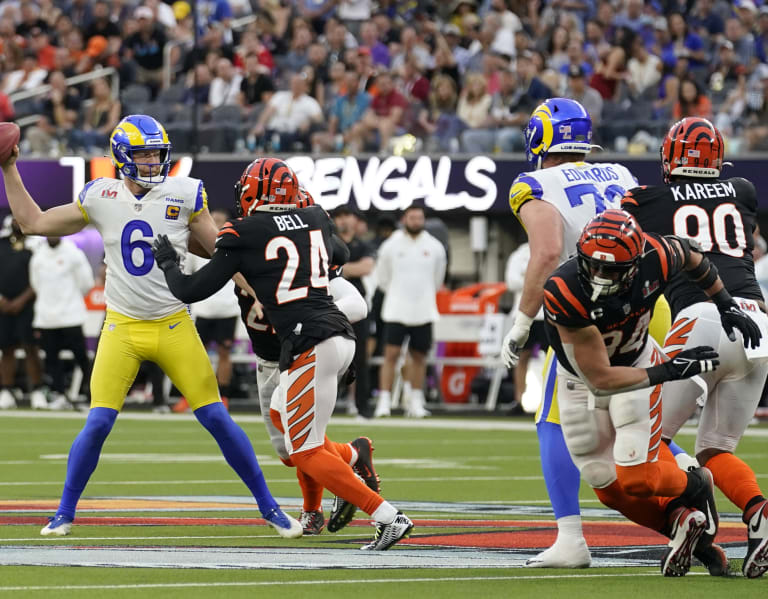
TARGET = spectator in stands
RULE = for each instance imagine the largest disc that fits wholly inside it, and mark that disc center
(60, 109)
(691, 101)
(145, 48)
(225, 87)
(316, 12)
(100, 118)
(575, 53)
(40, 43)
(30, 19)
(755, 106)
(451, 36)
(611, 70)
(336, 40)
(257, 86)
(317, 60)
(643, 70)
(704, 20)
(383, 119)
(585, 95)
(101, 23)
(80, 13)
(287, 120)
(743, 41)
(60, 275)
(29, 76)
(474, 102)
(510, 110)
(16, 313)
(413, 84)
(728, 71)
(411, 44)
(363, 65)
(297, 55)
(369, 37)
(410, 259)
(216, 317)
(346, 112)
(686, 43)
(61, 29)
(49, 12)
(556, 49)
(360, 264)
(197, 88)
(439, 120)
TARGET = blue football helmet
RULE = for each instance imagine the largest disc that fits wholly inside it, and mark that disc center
(140, 132)
(559, 125)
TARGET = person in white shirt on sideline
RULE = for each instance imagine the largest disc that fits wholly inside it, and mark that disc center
(216, 319)
(60, 274)
(514, 277)
(410, 270)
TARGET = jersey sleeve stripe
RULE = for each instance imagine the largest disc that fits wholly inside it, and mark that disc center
(201, 201)
(569, 297)
(523, 189)
(663, 255)
(552, 305)
(228, 230)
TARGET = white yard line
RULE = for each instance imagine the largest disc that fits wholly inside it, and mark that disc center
(176, 585)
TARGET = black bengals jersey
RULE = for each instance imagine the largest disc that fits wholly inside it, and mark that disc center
(719, 215)
(622, 319)
(264, 340)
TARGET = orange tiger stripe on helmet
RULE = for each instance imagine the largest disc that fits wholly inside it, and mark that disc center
(265, 181)
(693, 147)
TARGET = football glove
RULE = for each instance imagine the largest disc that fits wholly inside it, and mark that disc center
(165, 254)
(515, 340)
(733, 317)
(684, 365)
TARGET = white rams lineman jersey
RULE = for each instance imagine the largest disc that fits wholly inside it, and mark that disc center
(579, 191)
(134, 286)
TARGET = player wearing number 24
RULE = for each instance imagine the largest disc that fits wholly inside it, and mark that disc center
(144, 320)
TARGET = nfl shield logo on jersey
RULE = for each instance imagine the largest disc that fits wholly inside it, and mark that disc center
(138, 207)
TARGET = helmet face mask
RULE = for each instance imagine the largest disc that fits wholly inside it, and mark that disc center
(139, 133)
(609, 252)
(559, 125)
(266, 184)
(693, 147)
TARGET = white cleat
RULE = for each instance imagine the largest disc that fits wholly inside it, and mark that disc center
(687, 527)
(60, 403)
(565, 553)
(58, 526)
(285, 525)
(37, 400)
(383, 408)
(7, 400)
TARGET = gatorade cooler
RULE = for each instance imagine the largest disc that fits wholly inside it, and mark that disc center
(463, 315)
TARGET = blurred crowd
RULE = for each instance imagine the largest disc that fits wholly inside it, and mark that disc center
(381, 75)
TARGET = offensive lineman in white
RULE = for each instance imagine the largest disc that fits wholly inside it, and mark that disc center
(553, 203)
(144, 320)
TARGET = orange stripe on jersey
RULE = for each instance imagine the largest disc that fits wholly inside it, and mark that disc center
(678, 335)
(300, 384)
(549, 300)
(303, 405)
(569, 297)
(663, 254)
(306, 358)
(297, 443)
(228, 230)
(627, 199)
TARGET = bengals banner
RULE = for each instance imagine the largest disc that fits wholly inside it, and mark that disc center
(469, 185)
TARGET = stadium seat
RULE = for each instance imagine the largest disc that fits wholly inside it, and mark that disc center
(132, 95)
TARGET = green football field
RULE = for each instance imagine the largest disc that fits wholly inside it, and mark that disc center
(164, 516)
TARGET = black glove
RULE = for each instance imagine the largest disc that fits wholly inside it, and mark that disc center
(734, 317)
(684, 365)
(165, 254)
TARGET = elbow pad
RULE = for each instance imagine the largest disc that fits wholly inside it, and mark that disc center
(704, 275)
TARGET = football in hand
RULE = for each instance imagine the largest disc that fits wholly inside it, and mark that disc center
(9, 137)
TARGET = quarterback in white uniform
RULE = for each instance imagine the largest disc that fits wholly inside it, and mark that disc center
(144, 320)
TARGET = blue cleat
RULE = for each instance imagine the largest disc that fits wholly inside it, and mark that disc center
(286, 527)
(59, 526)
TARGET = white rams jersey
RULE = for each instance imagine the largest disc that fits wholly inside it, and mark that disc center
(579, 191)
(135, 286)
